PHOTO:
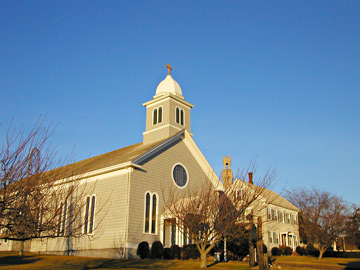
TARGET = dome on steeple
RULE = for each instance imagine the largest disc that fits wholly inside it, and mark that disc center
(168, 85)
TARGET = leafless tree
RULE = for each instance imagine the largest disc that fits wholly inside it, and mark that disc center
(208, 215)
(322, 216)
(39, 195)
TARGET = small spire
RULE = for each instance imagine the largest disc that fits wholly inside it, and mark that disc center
(169, 68)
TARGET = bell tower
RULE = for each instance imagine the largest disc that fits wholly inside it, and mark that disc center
(168, 112)
(227, 173)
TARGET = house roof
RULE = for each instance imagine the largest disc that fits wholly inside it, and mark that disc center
(271, 197)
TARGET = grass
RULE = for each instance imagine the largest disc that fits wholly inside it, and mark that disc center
(11, 260)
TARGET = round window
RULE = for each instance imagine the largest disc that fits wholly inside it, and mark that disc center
(180, 175)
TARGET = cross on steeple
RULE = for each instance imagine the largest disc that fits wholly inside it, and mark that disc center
(169, 68)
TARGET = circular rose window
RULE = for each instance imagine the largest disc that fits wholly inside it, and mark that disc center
(180, 175)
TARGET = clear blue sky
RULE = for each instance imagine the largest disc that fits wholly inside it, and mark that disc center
(273, 80)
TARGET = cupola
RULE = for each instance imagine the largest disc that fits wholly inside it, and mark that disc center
(168, 112)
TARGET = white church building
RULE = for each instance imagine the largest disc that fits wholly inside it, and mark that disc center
(126, 203)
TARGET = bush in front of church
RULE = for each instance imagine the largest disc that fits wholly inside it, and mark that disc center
(190, 252)
(157, 250)
(175, 252)
(143, 250)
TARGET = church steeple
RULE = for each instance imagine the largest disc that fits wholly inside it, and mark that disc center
(168, 112)
(227, 173)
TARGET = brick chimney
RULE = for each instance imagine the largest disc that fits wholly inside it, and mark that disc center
(250, 178)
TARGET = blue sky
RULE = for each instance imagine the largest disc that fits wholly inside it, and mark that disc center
(275, 81)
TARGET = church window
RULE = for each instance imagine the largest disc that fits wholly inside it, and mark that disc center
(92, 215)
(155, 117)
(153, 216)
(60, 218)
(179, 116)
(64, 219)
(86, 221)
(150, 213)
(89, 214)
(160, 115)
(180, 175)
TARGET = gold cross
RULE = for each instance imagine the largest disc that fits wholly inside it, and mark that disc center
(169, 68)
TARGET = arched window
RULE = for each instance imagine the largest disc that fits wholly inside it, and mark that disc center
(182, 117)
(86, 221)
(155, 117)
(160, 115)
(147, 212)
(153, 216)
(89, 214)
(150, 213)
(64, 219)
(60, 218)
(177, 115)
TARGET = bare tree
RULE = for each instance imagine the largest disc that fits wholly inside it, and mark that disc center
(322, 216)
(208, 215)
(39, 198)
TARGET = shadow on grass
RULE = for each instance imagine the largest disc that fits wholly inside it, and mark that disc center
(352, 265)
(214, 263)
(121, 264)
(17, 260)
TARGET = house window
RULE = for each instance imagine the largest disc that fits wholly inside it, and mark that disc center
(179, 116)
(295, 241)
(150, 213)
(270, 237)
(89, 214)
(273, 214)
(179, 175)
(276, 238)
(269, 213)
(280, 217)
(240, 194)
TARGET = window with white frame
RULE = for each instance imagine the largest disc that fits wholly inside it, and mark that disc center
(269, 213)
(89, 216)
(150, 220)
(63, 216)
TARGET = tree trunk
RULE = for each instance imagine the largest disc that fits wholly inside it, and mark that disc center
(263, 265)
(21, 248)
(322, 249)
(203, 258)
(251, 245)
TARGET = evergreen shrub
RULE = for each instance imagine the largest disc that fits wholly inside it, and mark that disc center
(301, 251)
(143, 250)
(190, 252)
(175, 252)
(156, 250)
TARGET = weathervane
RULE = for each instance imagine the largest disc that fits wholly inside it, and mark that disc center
(169, 68)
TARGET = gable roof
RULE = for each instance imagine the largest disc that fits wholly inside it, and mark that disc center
(119, 156)
(270, 197)
(134, 155)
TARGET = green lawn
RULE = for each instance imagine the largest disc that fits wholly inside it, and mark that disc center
(10, 260)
